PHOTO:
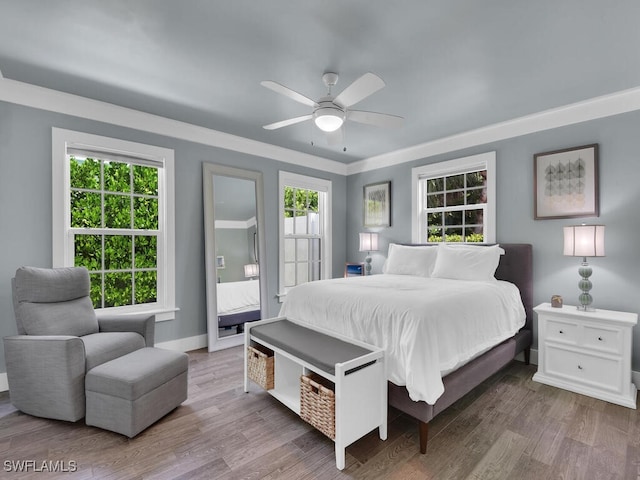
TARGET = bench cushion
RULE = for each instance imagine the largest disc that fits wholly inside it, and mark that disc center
(313, 347)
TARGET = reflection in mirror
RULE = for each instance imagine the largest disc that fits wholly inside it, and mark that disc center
(233, 234)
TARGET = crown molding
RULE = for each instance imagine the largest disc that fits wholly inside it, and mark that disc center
(598, 107)
(28, 95)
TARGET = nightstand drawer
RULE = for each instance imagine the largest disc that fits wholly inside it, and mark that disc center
(604, 339)
(560, 331)
(603, 373)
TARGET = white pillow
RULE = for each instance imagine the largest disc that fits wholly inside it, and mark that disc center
(467, 262)
(406, 260)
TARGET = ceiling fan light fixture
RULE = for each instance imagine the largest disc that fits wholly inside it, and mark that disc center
(328, 119)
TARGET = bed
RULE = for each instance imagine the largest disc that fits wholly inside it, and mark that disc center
(238, 302)
(423, 383)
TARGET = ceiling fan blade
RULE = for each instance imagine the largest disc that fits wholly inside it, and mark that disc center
(376, 119)
(336, 137)
(286, 123)
(360, 89)
(287, 92)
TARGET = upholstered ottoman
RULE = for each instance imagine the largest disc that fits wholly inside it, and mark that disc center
(128, 394)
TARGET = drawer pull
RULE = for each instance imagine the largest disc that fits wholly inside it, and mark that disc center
(579, 367)
(600, 339)
(560, 331)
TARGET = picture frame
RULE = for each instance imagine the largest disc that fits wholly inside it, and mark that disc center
(353, 269)
(376, 205)
(565, 183)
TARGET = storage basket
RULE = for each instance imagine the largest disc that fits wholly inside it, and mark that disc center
(318, 403)
(260, 366)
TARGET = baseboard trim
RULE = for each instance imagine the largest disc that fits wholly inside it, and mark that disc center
(184, 344)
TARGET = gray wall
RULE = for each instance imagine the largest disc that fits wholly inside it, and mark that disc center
(25, 210)
(615, 277)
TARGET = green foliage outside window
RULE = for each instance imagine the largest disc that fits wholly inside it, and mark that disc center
(297, 202)
(116, 195)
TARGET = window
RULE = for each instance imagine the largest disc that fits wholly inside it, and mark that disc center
(113, 209)
(305, 230)
(455, 201)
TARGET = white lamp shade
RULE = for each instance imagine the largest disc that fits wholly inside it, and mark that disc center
(251, 270)
(368, 242)
(584, 240)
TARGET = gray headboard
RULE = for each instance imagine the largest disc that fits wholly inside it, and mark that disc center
(516, 266)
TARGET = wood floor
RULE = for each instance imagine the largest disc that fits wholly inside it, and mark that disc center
(510, 427)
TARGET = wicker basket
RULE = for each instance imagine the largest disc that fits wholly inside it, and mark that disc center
(318, 403)
(260, 366)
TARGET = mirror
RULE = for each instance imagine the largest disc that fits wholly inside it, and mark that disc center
(234, 246)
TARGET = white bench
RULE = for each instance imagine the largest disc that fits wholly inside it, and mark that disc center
(357, 370)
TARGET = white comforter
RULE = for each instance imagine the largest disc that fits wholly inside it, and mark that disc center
(237, 297)
(427, 326)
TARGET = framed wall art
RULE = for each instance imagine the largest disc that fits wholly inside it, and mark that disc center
(566, 183)
(377, 205)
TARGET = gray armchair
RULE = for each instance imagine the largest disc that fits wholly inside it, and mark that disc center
(60, 339)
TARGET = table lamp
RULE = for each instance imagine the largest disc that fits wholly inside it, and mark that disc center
(368, 243)
(251, 270)
(584, 241)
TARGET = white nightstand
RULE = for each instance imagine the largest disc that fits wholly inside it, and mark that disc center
(587, 352)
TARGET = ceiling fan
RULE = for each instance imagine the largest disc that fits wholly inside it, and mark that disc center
(330, 112)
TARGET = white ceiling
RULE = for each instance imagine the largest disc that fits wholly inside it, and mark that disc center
(449, 65)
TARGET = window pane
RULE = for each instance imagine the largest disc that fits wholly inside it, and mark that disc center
(145, 180)
(315, 271)
(117, 252)
(314, 223)
(302, 250)
(473, 234)
(88, 251)
(117, 289)
(96, 289)
(117, 177)
(145, 213)
(84, 173)
(455, 181)
(315, 249)
(313, 201)
(289, 250)
(300, 227)
(477, 179)
(146, 252)
(475, 196)
(455, 199)
(434, 219)
(289, 274)
(146, 287)
(288, 222)
(85, 210)
(302, 273)
(453, 234)
(435, 201)
(473, 217)
(435, 185)
(435, 235)
(453, 218)
(117, 211)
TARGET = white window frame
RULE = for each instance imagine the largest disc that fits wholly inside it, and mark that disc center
(483, 161)
(288, 179)
(63, 254)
